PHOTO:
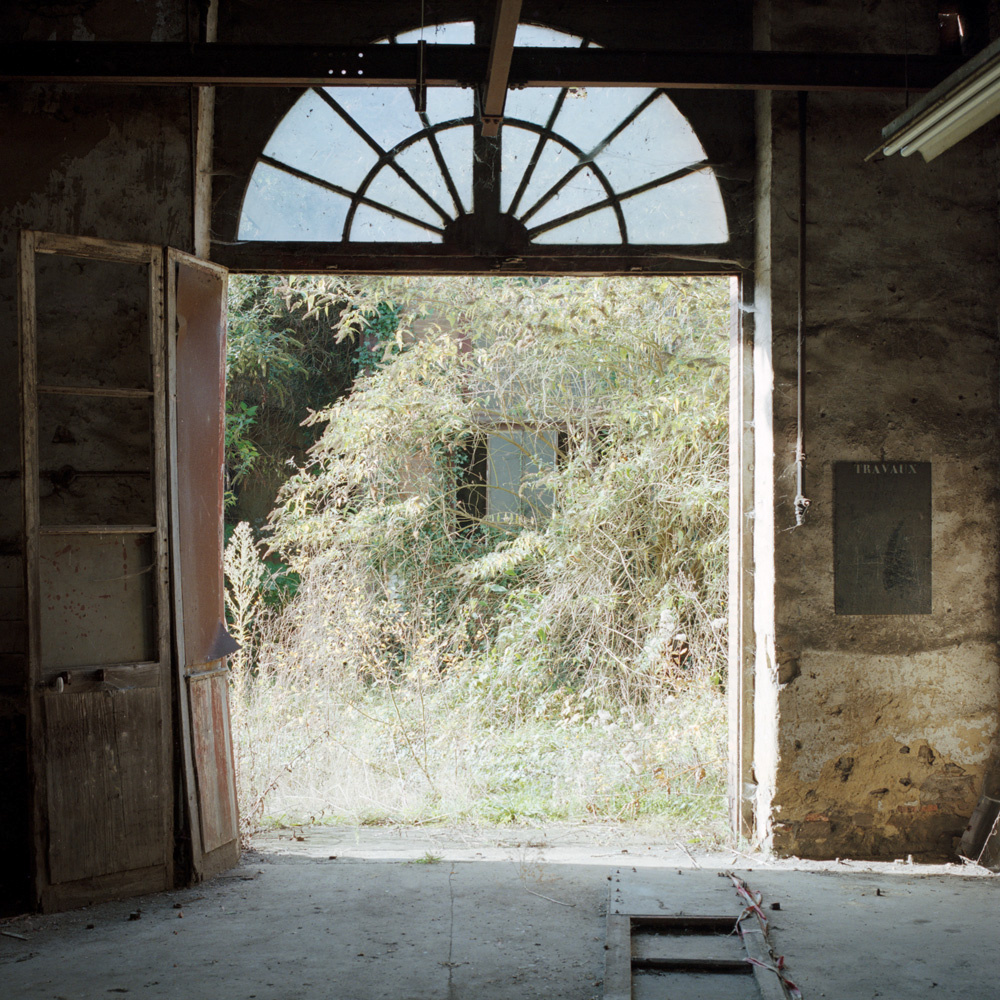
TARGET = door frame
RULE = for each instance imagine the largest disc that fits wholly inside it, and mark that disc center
(255, 258)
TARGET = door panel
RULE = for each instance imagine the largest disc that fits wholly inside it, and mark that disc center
(213, 758)
(98, 775)
(198, 372)
(94, 417)
(100, 604)
(93, 317)
(196, 324)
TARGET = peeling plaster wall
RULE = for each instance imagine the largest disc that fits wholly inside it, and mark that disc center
(878, 730)
(105, 162)
(764, 716)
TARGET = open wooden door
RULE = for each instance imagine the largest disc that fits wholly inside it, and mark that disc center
(100, 459)
(196, 351)
(93, 395)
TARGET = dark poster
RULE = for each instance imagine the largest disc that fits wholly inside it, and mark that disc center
(882, 538)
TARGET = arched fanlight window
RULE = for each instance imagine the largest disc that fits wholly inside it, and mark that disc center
(600, 166)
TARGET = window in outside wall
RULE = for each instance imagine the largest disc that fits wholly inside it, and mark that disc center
(515, 459)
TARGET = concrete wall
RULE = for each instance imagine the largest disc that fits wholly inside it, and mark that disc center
(90, 161)
(874, 733)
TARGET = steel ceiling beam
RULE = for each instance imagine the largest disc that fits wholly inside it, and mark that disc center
(277, 257)
(226, 65)
(494, 94)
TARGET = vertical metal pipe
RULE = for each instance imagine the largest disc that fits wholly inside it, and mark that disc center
(801, 501)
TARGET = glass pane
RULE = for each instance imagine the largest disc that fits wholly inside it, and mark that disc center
(503, 475)
(598, 227)
(584, 189)
(658, 142)
(536, 500)
(385, 113)
(456, 148)
(552, 165)
(531, 104)
(533, 34)
(391, 190)
(686, 211)
(313, 138)
(372, 225)
(421, 164)
(445, 104)
(514, 459)
(278, 206)
(456, 33)
(517, 147)
(588, 116)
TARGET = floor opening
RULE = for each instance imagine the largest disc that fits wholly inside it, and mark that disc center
(477, 551)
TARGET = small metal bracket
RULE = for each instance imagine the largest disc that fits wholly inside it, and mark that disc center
(419, 92)
(491, 125)
(801, 506)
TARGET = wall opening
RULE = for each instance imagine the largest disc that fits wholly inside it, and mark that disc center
(598, 181)
(511, 546)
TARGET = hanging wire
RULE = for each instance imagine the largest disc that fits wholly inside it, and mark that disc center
(906, 54)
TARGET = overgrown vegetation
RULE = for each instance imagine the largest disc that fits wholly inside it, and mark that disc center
(468, 642)
(279, 360)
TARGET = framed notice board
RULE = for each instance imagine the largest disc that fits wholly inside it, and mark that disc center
(882, 538)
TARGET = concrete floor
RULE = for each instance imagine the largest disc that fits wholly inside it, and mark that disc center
(497, 915)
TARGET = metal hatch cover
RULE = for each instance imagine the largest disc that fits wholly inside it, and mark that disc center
(704, 940)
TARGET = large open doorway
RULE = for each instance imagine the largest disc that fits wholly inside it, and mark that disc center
(509, 542)
(539, 199)
(602, 181)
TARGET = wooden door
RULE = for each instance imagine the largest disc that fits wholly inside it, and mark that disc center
(196, 350)
(95, 524)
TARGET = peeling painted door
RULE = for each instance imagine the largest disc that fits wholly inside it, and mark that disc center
(196, 346)
(122, 391)
(96, 552)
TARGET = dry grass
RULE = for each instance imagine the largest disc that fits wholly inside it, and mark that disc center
(306, 755)
(315, 743)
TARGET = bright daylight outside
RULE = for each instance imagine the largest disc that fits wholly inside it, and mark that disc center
(477, 550)
(477, 527)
